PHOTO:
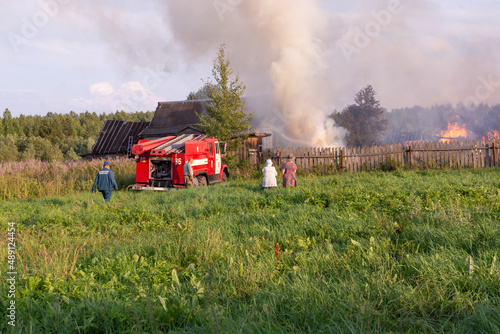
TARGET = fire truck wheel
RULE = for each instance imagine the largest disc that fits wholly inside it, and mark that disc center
(224, 177)
(202, 181)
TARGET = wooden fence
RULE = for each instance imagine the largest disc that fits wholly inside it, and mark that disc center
(253, 156)
(463, 154)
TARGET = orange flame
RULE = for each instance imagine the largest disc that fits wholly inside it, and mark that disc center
(454, 131)
(493, 135)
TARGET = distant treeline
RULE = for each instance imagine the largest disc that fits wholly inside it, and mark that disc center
(55, 136)
(67, 136)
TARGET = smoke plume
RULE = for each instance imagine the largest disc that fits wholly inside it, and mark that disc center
(278, 49)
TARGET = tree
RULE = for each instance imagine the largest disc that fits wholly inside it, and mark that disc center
(226, 118)
(9, 124)
(202, 93)
(8, 149)
(365, 120)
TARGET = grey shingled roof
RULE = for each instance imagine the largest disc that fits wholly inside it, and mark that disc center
(174, 118)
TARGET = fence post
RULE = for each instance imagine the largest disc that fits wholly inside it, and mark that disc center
(341, 159)
(409, 156)
(494, 157)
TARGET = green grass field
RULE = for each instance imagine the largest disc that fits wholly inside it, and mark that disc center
(399, 252)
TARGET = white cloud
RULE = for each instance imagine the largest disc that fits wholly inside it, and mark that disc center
(130, 96)
(101, 89)
(133, 96)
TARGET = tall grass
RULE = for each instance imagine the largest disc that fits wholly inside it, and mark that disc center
(402, 252)
(35, 178)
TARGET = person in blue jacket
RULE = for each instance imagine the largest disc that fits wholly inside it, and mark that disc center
(105, 182)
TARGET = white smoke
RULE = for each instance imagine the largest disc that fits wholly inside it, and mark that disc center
(278, 49)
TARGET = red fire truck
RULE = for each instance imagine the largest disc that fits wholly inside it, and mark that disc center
(160, 162)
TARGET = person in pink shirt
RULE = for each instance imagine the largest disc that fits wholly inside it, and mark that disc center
(288, 171)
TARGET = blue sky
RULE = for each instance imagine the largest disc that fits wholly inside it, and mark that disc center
(62, 55)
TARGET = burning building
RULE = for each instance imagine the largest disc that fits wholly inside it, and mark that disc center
(455, 132)
(460, 132)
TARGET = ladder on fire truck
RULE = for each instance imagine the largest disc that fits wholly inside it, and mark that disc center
(129, 146)
(176, 145)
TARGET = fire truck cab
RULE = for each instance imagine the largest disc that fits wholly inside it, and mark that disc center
(160, 163)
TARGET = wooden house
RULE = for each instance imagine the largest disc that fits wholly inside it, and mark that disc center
(170, 119)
